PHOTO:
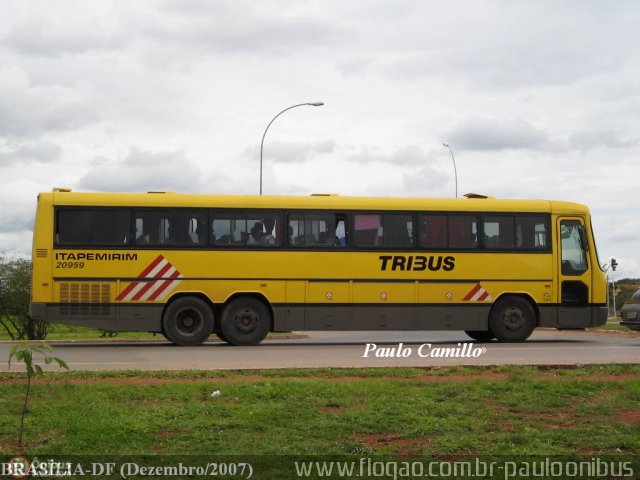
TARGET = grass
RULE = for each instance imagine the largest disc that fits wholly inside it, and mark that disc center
(58, 332)
(446, 411)
(613, 324)
(65, 332)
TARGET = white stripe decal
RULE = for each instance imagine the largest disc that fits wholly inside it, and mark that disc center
(168, 290)
(157, 284)
(141, 285)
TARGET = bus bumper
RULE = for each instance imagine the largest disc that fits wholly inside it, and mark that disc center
(602, 316)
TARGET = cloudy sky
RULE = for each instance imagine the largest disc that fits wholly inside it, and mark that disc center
(538, 99)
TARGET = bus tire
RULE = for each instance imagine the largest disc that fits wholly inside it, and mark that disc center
(481, 335)
(245, 321)
(512, 319)
(218, 331)
(187, 321)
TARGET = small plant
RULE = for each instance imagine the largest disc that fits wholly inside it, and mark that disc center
(25, 352)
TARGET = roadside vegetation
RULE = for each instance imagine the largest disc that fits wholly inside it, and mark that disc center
(65, 333)
(443, 411)
(15, 288)
(624, 289)
(56, 332)
(613, 325)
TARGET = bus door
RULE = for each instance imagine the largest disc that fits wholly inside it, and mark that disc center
(574, 276)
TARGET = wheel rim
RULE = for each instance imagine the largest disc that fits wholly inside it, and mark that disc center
(188, 321)
(513, 318)
(246, 320)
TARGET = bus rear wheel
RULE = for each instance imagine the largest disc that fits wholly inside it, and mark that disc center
(245, 321)
(481, 335)
(187, 321)
(218, 331)
(512, 319)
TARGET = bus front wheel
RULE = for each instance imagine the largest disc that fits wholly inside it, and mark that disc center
(512, 319)
(245, 321)
(187, 321)
(481, 335)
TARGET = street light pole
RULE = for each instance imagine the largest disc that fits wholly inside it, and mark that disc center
(455, 170)
(311, 104)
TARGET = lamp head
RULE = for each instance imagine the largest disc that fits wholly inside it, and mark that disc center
(316, 104)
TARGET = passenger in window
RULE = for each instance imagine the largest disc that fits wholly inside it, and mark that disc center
(197, 236)
(256, 235)
(178, 235)
(259, 237)
(268, 239)
(290, 235)
(326, 238)
(145, 237)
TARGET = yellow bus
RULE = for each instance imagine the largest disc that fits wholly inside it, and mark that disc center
(241, 266)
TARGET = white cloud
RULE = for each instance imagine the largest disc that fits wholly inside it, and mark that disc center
(489, 134)
(290, 152)
(88, 28)
(28, 109)
(142, 171)
(29, 151)
(536, 100)
(587, 140)
(16, 243)
(17, 208)
(241, 27)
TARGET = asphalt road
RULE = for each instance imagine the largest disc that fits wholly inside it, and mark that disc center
(347, 349)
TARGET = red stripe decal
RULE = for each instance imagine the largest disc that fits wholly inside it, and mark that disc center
(148, 285)
(484, 295)
(153, 265)
(473, 291)
(144, 273)
(126, 291)
(164, 286)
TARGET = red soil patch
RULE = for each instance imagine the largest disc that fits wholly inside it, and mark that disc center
(394, 440)
(331, 409)
(630, 416)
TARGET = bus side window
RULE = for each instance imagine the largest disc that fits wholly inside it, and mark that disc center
(341, 230)
(531, 232)
(574, 256)
(183, 228)
(498, 231)
(368, 230)
(433, 231)
(147, 228)
(74, 227)
(398, 230)
(245, 229)
(316, 229)
(463, 231)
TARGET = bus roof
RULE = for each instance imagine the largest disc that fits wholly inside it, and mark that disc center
(333, 202)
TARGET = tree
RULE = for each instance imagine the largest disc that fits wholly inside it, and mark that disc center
(24, 352)
(624, 291)
(15, 294)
